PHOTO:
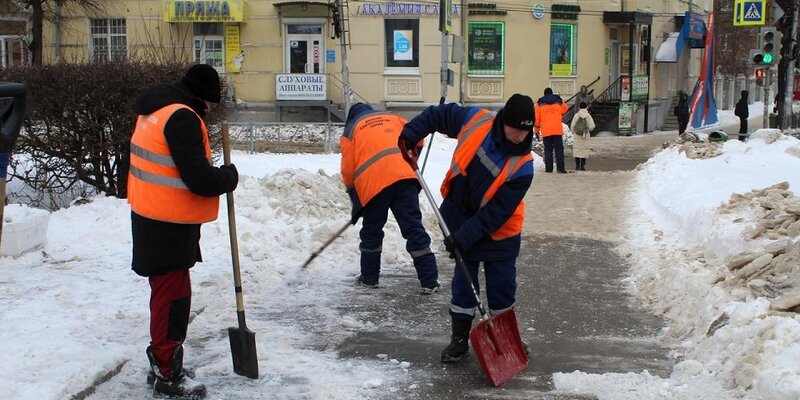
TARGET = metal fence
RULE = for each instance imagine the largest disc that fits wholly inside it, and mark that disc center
(287, 137)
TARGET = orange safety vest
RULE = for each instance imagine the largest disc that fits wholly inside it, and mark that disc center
(371, 160)
(470, 139)
(155, 188)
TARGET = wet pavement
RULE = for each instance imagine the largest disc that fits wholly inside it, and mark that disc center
(573, 308)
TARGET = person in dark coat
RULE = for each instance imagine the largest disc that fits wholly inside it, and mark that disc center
(742, 111)
(483, 207)
(173, 188)
(682, 112)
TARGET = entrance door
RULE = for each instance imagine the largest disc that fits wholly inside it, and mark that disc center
(304, 49)
(613, 62)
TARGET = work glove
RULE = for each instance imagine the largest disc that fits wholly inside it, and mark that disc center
(232, 173)
(408, 150)
(451, 244)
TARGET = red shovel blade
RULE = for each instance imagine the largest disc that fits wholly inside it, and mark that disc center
(498, 345)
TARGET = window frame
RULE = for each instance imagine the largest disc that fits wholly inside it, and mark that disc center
(202, 34)
(390, 33)
(109, 32)
(9, 44)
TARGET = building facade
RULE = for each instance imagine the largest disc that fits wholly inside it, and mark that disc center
(291, 53)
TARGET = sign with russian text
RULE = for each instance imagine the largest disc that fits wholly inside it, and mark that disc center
(409, 9)
(234, 56)
(203, 10)
(749, 12)
(301, 87)
(640, 87)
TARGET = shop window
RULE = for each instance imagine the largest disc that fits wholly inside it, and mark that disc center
(208, 45)
(109, 40)
(563, 51)
(402, 43)
(486, 49)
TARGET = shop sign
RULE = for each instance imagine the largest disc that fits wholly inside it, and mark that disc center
(301, 86)
(233, 51)
(203, 10)
(640, 87)
(627, 112)
(538, 11)
(392, 8)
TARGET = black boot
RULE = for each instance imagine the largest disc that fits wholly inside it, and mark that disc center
(459, 342)
(179, 385)
(577, 164)
(583, 164)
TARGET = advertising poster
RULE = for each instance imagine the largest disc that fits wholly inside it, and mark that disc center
(640, 87)
(625, 88)
(561, 49)
(626, 118)
(234, 56)
(402, 45)
(485, 47)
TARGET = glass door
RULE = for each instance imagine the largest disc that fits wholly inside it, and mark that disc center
(304, 49)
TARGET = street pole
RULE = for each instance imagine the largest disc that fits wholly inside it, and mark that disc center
(443, 69)
(789, 95)
(767, 84)
(345, 70)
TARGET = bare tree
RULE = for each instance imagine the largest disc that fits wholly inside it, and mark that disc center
(42, 10)
(733, 42)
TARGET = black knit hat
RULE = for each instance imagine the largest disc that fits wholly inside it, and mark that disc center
(518, 112)
(203, 81)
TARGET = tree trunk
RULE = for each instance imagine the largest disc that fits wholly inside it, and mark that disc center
(35, 46)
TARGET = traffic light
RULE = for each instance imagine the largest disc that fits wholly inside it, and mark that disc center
(760, 79)
(769, 43)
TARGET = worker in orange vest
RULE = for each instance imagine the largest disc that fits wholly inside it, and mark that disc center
(173, 188)
(483, 207)
(550, 109)
(378, 180)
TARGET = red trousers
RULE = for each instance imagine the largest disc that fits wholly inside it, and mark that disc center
(170, 302)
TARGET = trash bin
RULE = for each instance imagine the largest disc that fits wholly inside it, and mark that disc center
(717, 136)
(773, 120)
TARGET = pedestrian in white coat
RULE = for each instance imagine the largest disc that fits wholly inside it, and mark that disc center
(582, 125)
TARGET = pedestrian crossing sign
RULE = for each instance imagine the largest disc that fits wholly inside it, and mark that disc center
(749, 12)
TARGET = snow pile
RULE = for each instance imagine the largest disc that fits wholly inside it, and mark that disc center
(79, 312)
(711, 271)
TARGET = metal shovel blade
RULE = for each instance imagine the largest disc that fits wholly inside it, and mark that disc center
(498, 346)
(243, 348)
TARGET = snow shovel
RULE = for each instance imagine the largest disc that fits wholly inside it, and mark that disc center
(496, 339)
(327, 243)
(243, 340)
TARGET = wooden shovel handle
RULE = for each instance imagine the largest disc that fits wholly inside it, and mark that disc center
(237, 277)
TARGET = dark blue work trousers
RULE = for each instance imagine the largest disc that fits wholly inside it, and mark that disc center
(501, 288)
(553, 144)
(402, 198)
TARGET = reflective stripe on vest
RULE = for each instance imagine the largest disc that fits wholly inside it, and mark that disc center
(371, 158)
(155, 188)
(469, 146)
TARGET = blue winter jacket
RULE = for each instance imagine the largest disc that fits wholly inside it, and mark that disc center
(468, 222)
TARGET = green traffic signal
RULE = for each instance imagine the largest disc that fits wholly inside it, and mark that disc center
(767, 58)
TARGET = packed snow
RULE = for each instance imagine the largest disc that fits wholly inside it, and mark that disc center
(73, 311)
